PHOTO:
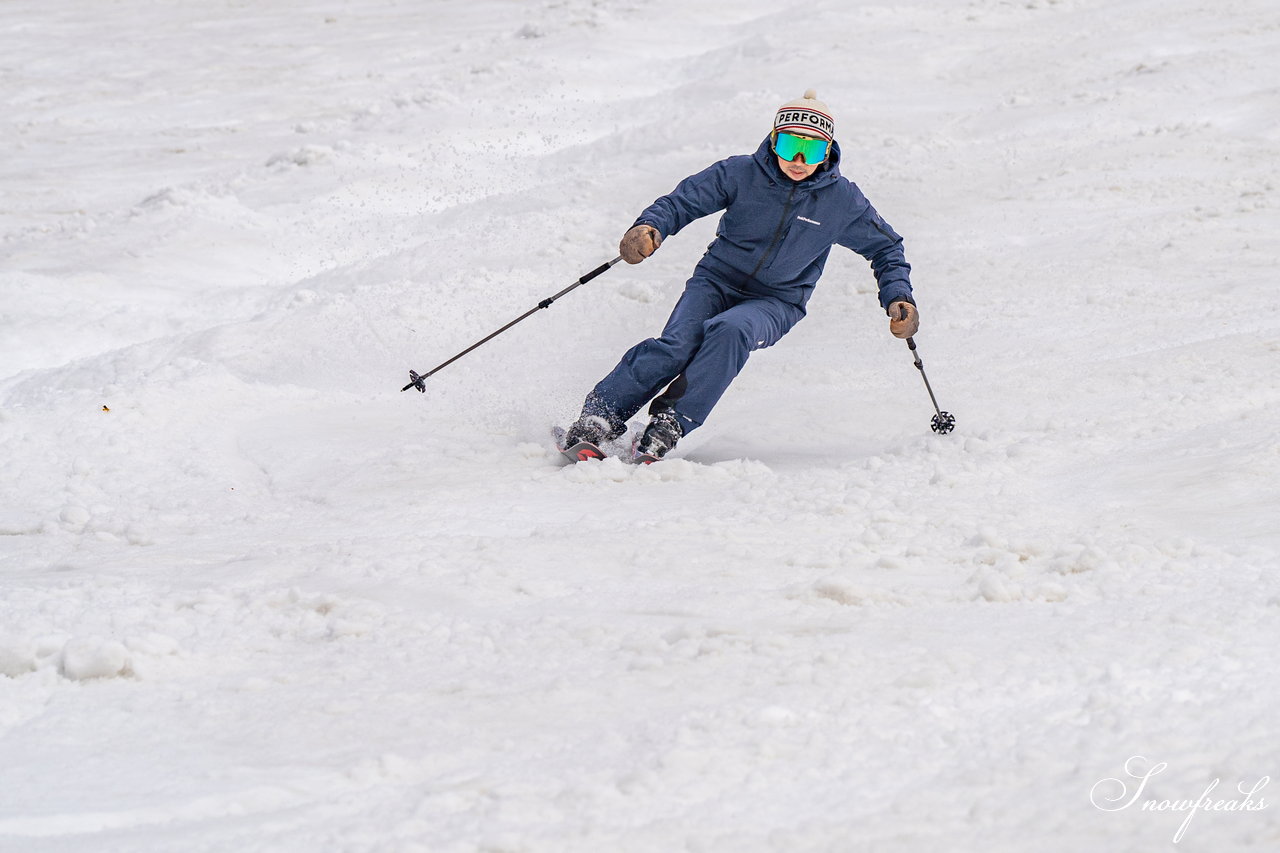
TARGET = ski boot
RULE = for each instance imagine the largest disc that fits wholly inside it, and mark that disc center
(660, 436)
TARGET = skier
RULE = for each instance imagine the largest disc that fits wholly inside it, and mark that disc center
(784, 207)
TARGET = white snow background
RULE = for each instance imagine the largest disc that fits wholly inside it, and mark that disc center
(254, 598)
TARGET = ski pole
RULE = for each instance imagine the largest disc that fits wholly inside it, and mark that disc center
(943, 422)
(417, 380)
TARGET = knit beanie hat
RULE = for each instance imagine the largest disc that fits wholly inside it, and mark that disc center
(806, 116)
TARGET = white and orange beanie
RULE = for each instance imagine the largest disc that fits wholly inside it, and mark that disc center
(806, 116)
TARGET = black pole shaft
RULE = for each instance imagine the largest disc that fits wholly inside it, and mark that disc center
(417, 379)
(911, 342)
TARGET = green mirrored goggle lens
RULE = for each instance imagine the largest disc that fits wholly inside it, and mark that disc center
(787, 147)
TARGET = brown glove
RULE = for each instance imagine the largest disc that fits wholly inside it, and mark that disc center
(904, 319)
(639, 243)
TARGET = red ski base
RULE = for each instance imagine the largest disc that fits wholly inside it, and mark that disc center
(580, 452)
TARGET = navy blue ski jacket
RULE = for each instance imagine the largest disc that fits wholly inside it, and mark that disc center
(776, 233)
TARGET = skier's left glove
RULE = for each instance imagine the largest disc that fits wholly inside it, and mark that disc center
(904, 319)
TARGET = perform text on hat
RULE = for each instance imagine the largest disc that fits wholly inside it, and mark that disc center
(805, 118)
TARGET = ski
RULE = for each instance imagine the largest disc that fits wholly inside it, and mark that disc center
(638, 458)
(585, 450)
(579, 452)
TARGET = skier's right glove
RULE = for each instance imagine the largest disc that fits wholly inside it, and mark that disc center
(638, 243)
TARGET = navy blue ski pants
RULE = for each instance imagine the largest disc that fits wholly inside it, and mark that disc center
(712, 330)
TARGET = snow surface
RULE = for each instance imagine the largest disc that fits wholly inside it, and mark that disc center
(256, 599)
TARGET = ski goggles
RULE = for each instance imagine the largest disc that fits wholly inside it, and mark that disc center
(787, 146)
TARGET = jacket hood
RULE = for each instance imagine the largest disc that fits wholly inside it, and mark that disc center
(768, 161)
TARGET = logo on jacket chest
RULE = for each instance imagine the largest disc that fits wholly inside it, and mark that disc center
(807, 219)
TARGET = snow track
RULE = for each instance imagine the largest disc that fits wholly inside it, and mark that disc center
(256, 599)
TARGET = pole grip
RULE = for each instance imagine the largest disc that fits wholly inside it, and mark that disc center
(598, 270)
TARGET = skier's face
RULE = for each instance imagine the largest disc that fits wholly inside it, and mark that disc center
(797, 169)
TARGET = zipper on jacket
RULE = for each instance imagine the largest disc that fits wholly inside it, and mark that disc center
(777, 234)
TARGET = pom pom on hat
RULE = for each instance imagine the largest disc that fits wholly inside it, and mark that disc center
(806, 116)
